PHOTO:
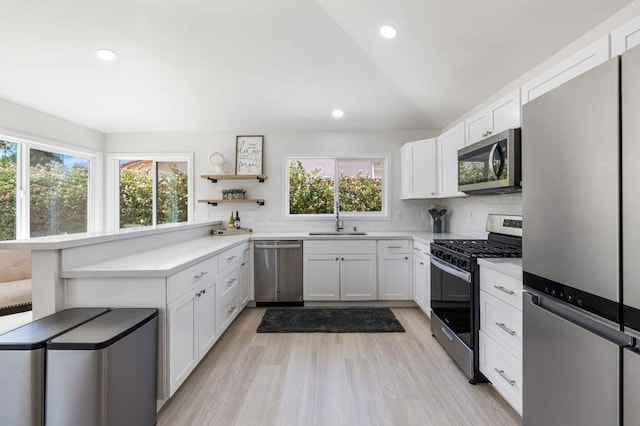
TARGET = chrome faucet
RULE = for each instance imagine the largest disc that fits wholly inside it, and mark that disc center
(338, 226)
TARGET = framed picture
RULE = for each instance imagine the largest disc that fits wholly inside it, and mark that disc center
(249, 155)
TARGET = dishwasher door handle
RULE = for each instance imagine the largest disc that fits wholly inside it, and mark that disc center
(280, 246)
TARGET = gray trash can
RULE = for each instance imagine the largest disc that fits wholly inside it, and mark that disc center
(22, 364)
(104, 372)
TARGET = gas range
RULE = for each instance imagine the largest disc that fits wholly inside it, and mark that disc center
(455, 288)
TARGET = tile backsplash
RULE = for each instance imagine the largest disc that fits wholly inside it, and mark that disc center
(468, 216)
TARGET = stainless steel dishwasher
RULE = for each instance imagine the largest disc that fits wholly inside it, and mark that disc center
(278, 273)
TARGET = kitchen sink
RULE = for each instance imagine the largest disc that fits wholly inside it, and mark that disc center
(337, 233)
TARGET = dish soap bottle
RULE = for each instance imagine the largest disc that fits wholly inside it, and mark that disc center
(232, 223)
(237, 221)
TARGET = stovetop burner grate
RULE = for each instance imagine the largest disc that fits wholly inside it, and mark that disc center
(481, 248)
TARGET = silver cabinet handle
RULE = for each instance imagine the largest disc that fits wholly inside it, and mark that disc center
(230, 311)
(416, 248)
(422, 263)
(337, 258)
(394, 246)
(231, 258)
(505, 377)
(200, 275)
(505, 290)
(204, 291)
(231, 281)
(198, 294)
(505, 328)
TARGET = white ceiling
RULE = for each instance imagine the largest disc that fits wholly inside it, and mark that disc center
(203, 65)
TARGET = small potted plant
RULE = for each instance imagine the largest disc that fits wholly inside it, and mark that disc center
(226, 194)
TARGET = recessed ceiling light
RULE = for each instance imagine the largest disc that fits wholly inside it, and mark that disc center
(388, 31)
(337, 113)
(105, 54)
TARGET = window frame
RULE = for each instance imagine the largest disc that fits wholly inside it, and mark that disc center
(384, 214)
(23, 198)
(113, 183)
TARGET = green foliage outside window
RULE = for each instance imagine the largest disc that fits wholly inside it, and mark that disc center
(58, 198)
(312, 193)
(7, 194)
(136, 196)
(172, 196)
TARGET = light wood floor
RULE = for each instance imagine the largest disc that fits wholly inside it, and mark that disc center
(332, 380)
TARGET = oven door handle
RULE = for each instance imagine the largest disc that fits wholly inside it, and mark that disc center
(450, 269)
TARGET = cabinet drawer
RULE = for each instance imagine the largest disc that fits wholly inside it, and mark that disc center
(503, 370)
(502, 322)
(340, 246)
(244, 249)
(226, 311)
(393, 247)
(504, 287)
(181, 282)
(227, 283)
(421, 250)
(228, 258)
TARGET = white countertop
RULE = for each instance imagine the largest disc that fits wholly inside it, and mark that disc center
(168, 260)
(509, 266)
(159, 262)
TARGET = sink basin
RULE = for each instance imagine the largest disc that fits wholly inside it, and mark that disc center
(337, 233)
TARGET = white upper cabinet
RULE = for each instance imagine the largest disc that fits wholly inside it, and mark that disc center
(591, 56)
(625, 37)
(501, 115)
(419, 169)
(449, 143)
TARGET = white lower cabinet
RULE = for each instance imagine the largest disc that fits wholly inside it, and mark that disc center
(358, 277)
(501, 333)
(503, 370)
(191, 319)
(339, 270)
(422, 277)
(244, 277)
(394, 270)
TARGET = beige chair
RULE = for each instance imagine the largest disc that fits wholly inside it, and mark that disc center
(15, 281)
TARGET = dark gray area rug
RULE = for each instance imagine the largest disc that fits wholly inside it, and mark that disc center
(329, 320)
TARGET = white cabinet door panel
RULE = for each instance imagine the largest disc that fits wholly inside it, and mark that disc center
(206, 318)
(589, 57)
(450, 142)
(358, 277)
(183, 349)
(321, 279)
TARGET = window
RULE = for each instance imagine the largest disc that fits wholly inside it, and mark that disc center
(316, 185)
(152, 190)
(46, 190)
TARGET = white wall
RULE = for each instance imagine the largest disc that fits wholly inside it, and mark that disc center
(20, 121)
(270, 217)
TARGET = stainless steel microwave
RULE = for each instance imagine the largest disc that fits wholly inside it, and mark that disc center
(492, 165)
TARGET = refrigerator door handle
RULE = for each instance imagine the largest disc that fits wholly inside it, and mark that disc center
(579, 318)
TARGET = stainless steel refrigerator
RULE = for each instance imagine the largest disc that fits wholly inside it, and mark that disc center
(581, 249)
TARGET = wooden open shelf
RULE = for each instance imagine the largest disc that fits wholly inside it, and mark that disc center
(245, 200)
(216, 178)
